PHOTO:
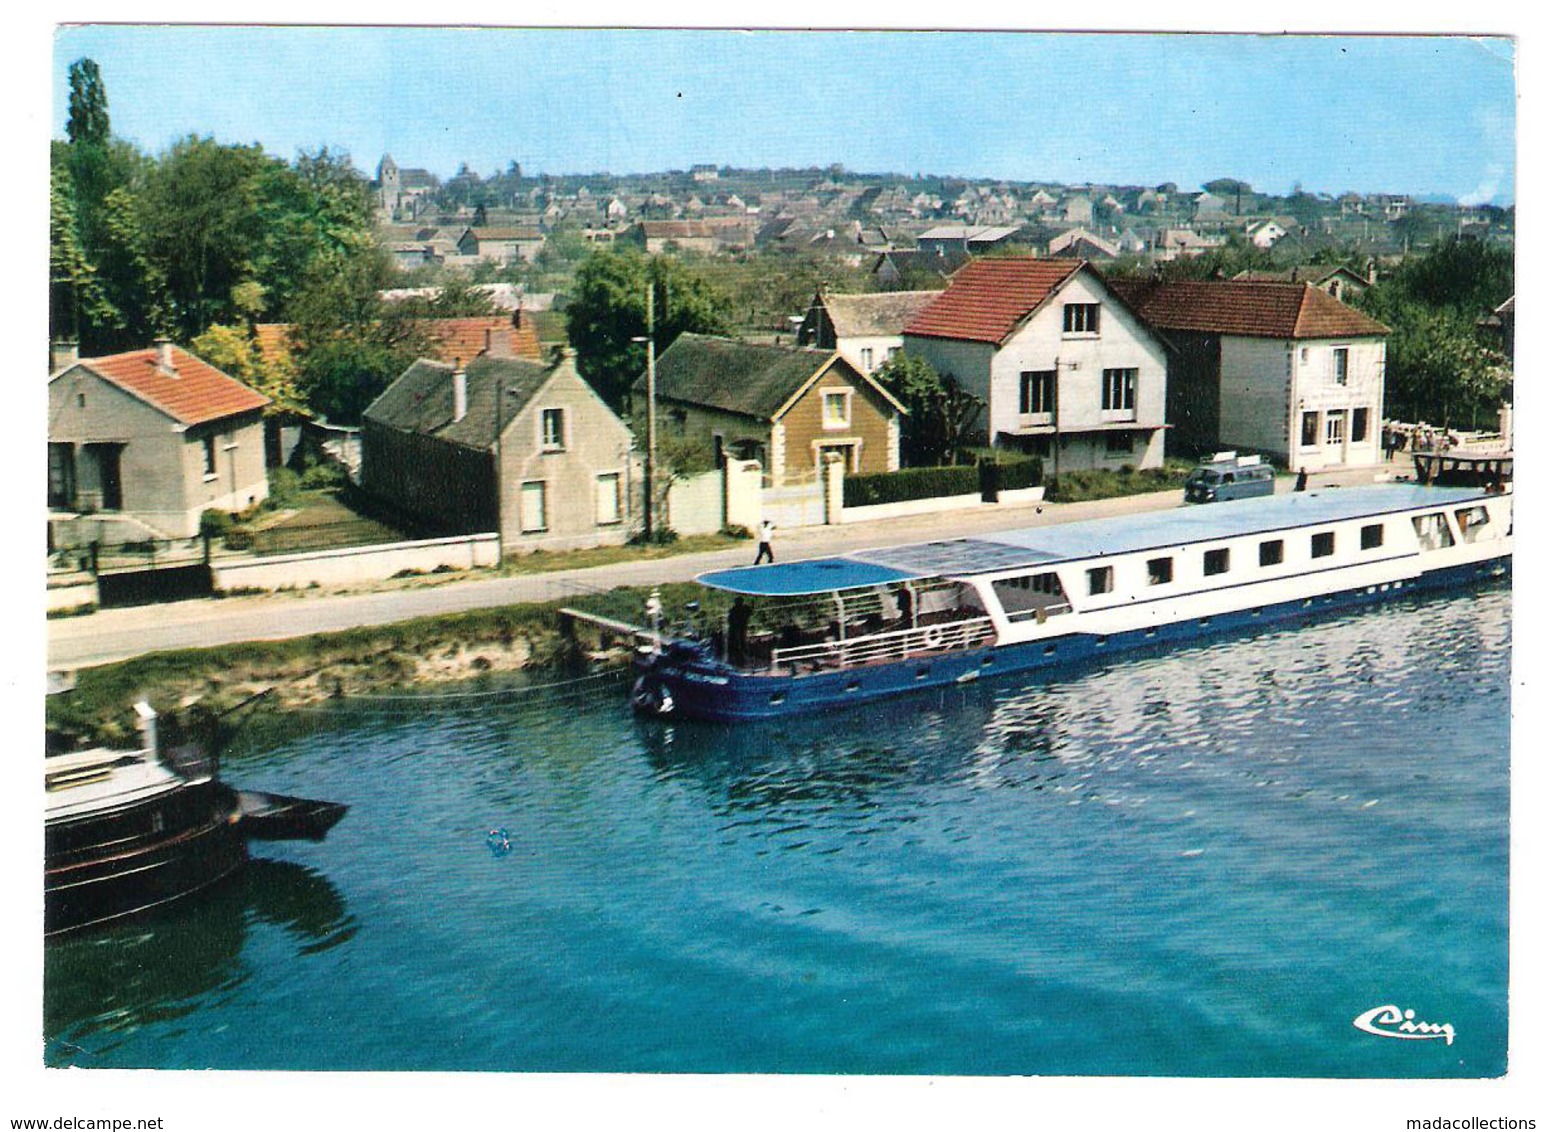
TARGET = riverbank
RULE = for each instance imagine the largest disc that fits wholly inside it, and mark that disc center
(301, 670)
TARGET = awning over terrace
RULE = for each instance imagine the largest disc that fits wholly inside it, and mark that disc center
(814, 576)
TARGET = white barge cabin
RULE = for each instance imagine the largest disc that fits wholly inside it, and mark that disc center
(806, 635)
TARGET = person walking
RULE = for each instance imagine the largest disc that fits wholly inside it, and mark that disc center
(1302, 481)
(765, 542)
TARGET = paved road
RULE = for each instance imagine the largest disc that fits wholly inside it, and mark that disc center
(115, 634)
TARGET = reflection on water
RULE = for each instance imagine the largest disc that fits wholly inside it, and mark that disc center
(166, 965)
(1201, 861)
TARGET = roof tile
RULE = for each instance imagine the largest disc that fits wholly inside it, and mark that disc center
(988, 298)
(193, 392)
(1247, 309)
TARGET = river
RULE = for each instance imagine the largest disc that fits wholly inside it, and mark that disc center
(1207, 861)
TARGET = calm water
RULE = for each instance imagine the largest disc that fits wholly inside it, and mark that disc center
(1203, 862)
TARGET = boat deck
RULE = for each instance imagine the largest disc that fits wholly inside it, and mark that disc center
(90, 781)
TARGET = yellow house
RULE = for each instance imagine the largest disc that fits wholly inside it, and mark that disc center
(785, 406)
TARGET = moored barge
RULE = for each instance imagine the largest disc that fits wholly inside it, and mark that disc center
(805, 636)
(126, 832)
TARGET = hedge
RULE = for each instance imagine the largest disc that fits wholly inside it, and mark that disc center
(909, 483)
(1020, 473)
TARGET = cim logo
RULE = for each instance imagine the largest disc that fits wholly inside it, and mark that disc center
(1392, 1022)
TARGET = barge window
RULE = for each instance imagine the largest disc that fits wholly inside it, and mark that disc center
(1470, 520)
(1322, 544)
(1161, 571)
(1030, 595)
(1100, 579)
(1270, 553)
(1372, 536)
(1216, 561)
(1432, 531)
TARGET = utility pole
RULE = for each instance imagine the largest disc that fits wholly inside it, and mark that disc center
(649, 413)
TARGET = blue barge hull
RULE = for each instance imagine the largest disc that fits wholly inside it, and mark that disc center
(706, 689)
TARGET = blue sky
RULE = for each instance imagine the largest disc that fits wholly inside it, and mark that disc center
(1393, 113)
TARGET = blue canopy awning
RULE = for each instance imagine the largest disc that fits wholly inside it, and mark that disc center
(813, 576)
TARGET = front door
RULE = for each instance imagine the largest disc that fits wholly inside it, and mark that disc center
(109, 478)
(61, 476)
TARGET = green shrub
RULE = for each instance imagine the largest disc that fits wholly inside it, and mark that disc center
(284, 487)
(322, 476)
(238, 538)
(735, 530)
(909, 483)
(214, 523)
(1081, 486)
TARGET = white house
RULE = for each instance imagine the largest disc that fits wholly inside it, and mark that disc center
(1279, 368)
(1067, 370)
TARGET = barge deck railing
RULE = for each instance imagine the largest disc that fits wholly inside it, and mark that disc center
(894, 645)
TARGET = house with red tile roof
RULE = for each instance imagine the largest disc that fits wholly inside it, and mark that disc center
(1068, 371)
(144, 442)
(1282, 369)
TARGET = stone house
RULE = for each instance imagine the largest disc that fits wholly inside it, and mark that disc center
(141, 444)
(787, 407)
(1066, 369)
(503, 444)
(501, 245)
(867, 328)
(1278, 368)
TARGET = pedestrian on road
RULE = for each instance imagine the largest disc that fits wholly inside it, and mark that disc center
(1303, 480)
(765, 542)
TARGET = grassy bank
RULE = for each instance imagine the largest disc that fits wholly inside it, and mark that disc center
(359, 661)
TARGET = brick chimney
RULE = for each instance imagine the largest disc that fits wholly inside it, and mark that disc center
(458, 392)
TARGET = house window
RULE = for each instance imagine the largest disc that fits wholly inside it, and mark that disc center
(209, 455)
(61, 475)
(1336, 427)
(552, 430)
(1081, 318)
(1371, 537)
(1215, 561)
(1270, 553)
(892, 352)
(836, 408)
(1100, 578)
(1118, 389)
(867, 358)
(1339, 365)
(1323, 544)
(534, 507)
(1309, 430)
(609, 499)
(1161, 571)
(1360, 425)
(80, 400)
(1037, 390)
(1119, 443)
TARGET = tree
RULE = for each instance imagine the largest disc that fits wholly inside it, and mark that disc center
(606, 315)
(75, 296)
(940, 412)
(349, 344)
(88, 122)
(234, 351)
